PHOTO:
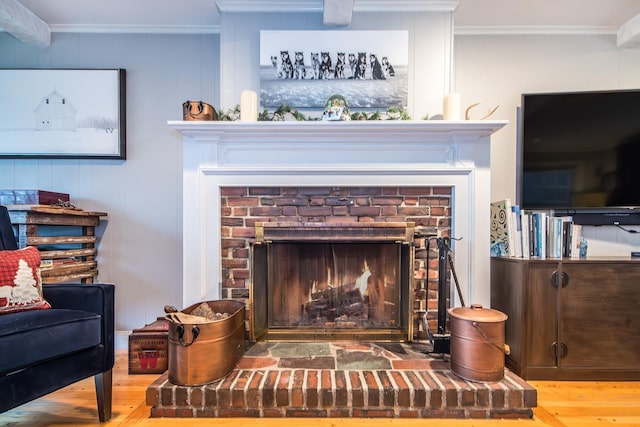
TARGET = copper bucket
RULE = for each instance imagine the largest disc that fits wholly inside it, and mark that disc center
(477, 343)
(206, 352)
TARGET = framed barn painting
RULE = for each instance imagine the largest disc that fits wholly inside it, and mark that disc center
(62, 113)
(303, 69)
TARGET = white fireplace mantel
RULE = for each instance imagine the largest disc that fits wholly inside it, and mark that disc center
(358, 153)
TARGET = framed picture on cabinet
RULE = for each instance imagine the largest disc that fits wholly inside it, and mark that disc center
(63, 113)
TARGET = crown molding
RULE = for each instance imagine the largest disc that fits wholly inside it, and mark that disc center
(137, 29)
(510, 30)
(317, 5)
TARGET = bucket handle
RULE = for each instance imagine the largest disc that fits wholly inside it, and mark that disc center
(506, 349)
(195, 331)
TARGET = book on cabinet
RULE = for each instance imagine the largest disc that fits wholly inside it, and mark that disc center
(518, 233)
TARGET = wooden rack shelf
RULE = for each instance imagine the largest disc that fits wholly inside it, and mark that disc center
(65, 237)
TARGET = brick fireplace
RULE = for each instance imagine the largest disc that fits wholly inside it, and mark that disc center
(347, 269)
(335, 192)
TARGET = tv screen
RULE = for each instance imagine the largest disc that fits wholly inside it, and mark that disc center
(580, 150)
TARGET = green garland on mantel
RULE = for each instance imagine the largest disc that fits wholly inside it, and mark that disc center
(286, 113)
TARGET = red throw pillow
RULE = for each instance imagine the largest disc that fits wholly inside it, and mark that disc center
(20, 281)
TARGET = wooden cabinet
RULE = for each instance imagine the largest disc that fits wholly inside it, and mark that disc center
(65, 237)
(570, 319)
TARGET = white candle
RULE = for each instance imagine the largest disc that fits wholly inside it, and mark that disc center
(451, 107)
(248, 106)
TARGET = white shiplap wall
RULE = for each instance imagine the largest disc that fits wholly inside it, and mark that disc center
(496, 70)
(142, 236)
(430, 48)
(141, 239)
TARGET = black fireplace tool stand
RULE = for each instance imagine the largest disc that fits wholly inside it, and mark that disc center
(441, 340)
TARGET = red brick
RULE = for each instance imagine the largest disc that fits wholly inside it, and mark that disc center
(297, 395)
(435, 396)
(339, 413)
(413, 211)
(404, 396)
(341, 389)
(289, 211)
(419, 392)
(364, 210)
(233, 191)
(357, 394)
(415, 191)
(312, 389)
(234, 263)
(181, 396)
(253, 394)
(388, 389)
(166, 396)
(306, 413)
(282, 389)
(231, 222)
(386, 201)
(268, 392)
(314, 210)
(273, 413)
(264, 191)
(232, 243)
(326, 392)
(408, 413)
(242, 201)
(513, 413)
(239, 232)
(239, 211)
(441, 190)
(265, 211)
(238, 389)
(296, 201)
(372, 388)
(239, 412)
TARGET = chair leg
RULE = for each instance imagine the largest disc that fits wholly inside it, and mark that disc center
(104, 385)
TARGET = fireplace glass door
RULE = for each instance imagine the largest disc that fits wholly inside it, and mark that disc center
(311, 290)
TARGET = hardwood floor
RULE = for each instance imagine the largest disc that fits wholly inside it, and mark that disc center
(560, 404)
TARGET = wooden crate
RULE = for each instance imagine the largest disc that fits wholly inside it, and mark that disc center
(148, 348)
(65, 237)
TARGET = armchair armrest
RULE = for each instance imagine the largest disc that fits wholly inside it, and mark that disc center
(94, 297)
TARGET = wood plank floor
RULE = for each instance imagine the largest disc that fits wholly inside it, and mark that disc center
(560, 404)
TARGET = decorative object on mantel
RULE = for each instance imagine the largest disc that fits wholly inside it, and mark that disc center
(336, 108)
(467, 115)
(248, 106)
(451, 107)
(198, 111)
(286, 113)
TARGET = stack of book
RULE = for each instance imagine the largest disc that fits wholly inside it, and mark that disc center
(532, 234)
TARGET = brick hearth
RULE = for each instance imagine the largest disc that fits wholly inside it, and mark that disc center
(343, 380)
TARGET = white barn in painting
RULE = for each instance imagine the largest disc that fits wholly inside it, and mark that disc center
(55, 112)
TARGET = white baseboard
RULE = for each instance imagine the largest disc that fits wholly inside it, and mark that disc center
(122, 340)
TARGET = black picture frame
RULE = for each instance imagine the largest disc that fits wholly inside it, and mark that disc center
(63, 113)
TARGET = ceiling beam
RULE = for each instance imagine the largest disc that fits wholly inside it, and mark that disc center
(23, 24)
(629, 33)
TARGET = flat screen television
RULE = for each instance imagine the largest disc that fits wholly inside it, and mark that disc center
(579, 154)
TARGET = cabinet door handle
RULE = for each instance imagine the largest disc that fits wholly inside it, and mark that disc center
(558, 350)
(554, 279)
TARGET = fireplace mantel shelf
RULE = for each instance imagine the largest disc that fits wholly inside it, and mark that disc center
(375, 130)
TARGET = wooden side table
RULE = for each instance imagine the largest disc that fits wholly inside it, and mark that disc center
(65, 237)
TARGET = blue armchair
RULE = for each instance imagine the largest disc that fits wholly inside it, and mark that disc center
(44, 350)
